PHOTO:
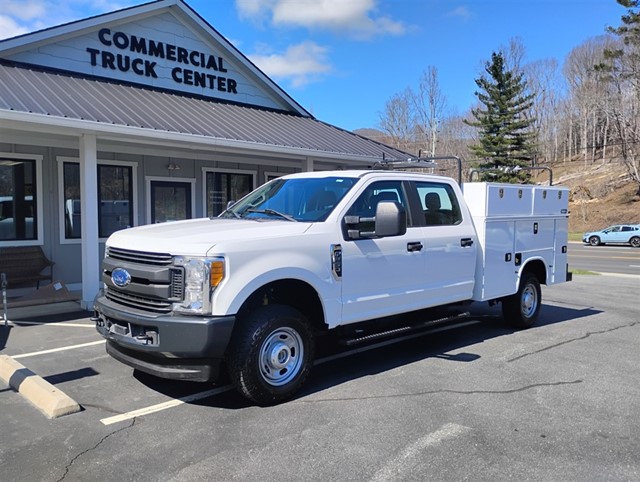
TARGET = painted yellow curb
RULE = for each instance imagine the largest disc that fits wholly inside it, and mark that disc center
(46, 398)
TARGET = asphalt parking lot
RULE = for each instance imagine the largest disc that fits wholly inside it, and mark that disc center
(559, 401)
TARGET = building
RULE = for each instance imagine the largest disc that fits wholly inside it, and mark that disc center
(138, 116)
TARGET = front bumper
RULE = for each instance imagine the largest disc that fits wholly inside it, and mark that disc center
(168, 346)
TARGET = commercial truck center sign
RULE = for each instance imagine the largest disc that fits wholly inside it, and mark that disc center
(194, 68)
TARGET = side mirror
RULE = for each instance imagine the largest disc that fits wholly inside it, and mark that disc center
(391, 219)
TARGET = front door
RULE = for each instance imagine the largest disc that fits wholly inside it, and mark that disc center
(382, 276)
(170, 201)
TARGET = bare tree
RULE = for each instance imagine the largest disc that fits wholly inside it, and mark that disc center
(514, 54)
(544, 82)
(585, 88)
(429, 105)
(397, 120)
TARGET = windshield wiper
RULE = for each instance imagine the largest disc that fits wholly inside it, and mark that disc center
(227, 211)
(272, 212)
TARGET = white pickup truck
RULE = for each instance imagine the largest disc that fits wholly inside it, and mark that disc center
(248, 293)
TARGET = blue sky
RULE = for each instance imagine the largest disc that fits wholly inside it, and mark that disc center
(343, 59)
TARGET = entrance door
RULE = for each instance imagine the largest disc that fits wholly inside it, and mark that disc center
(170, 201)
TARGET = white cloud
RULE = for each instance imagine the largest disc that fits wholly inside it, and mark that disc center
(253, 8)
(24, 10)
(352, 17)
(461, 12)
(22, 16)
(301, 64)
(9, 28)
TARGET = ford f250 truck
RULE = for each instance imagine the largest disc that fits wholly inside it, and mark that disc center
(248, 293)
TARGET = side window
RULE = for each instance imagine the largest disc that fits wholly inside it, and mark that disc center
(439, 204)
(365, 205)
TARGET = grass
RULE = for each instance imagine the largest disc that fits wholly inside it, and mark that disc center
(583, 272)
(575, 236)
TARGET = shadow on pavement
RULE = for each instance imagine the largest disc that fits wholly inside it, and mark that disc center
(352, 366)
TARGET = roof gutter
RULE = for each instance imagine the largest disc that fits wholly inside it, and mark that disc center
(59, 125)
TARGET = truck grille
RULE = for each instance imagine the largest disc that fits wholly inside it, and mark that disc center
(155, 283)
(142, 257)
(177, 284)
(139, 302)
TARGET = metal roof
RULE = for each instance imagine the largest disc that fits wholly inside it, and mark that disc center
(62, 95)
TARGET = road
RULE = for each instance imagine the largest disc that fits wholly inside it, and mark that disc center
(482, 402)
(604, 259)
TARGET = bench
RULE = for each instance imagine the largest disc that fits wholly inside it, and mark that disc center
(23, 266)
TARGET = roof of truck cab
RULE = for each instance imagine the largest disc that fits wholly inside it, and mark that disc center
(359, 173)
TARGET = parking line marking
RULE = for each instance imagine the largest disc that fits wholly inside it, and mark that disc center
(398, 467)
(54, 350)
(165, 405)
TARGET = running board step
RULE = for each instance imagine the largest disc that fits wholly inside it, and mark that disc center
(404, 329)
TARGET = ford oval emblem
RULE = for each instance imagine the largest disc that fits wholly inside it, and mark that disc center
(120, 277)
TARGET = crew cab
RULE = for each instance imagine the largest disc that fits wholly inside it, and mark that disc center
(248, 293)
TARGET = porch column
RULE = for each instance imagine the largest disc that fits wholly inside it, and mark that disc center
(89, 219)
(307, 165)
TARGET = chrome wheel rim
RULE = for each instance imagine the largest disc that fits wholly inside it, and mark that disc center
(281, 356)
(529, 301)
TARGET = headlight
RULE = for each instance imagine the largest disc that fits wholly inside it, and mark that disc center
(201, 277)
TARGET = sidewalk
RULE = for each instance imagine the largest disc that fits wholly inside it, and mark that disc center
(52, 299)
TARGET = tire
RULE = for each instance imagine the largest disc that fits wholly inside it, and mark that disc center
(594, 240)
(521, 309)
(635, 242)
(271, 354)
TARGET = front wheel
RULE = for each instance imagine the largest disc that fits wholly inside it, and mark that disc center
(635, 242)
(521, 309)
(594, 240)
(271, 354)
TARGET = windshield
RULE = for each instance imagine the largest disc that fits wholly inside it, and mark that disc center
(309, 199)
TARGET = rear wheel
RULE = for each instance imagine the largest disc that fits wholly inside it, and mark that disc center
(271, 354)
(521, 309)
(635, 242)
(594, 240)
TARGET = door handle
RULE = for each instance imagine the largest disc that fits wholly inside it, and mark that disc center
(417, 246)
(465, 242)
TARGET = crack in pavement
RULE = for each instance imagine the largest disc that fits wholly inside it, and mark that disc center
(436, 392)
(584, 337)
(72, 461)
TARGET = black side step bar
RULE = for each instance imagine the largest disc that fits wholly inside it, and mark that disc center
(403, 330)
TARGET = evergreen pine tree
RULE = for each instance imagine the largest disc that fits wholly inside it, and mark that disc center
(505, 137)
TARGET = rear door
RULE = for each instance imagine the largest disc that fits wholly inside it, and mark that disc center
(450, 244)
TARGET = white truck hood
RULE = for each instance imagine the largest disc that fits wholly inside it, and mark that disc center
(196, 237)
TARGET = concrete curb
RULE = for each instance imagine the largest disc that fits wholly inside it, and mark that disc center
(44, 396)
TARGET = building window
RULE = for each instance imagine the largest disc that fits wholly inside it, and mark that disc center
(18, 213)
(115, 199)
(222, 187)
(71, 179)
